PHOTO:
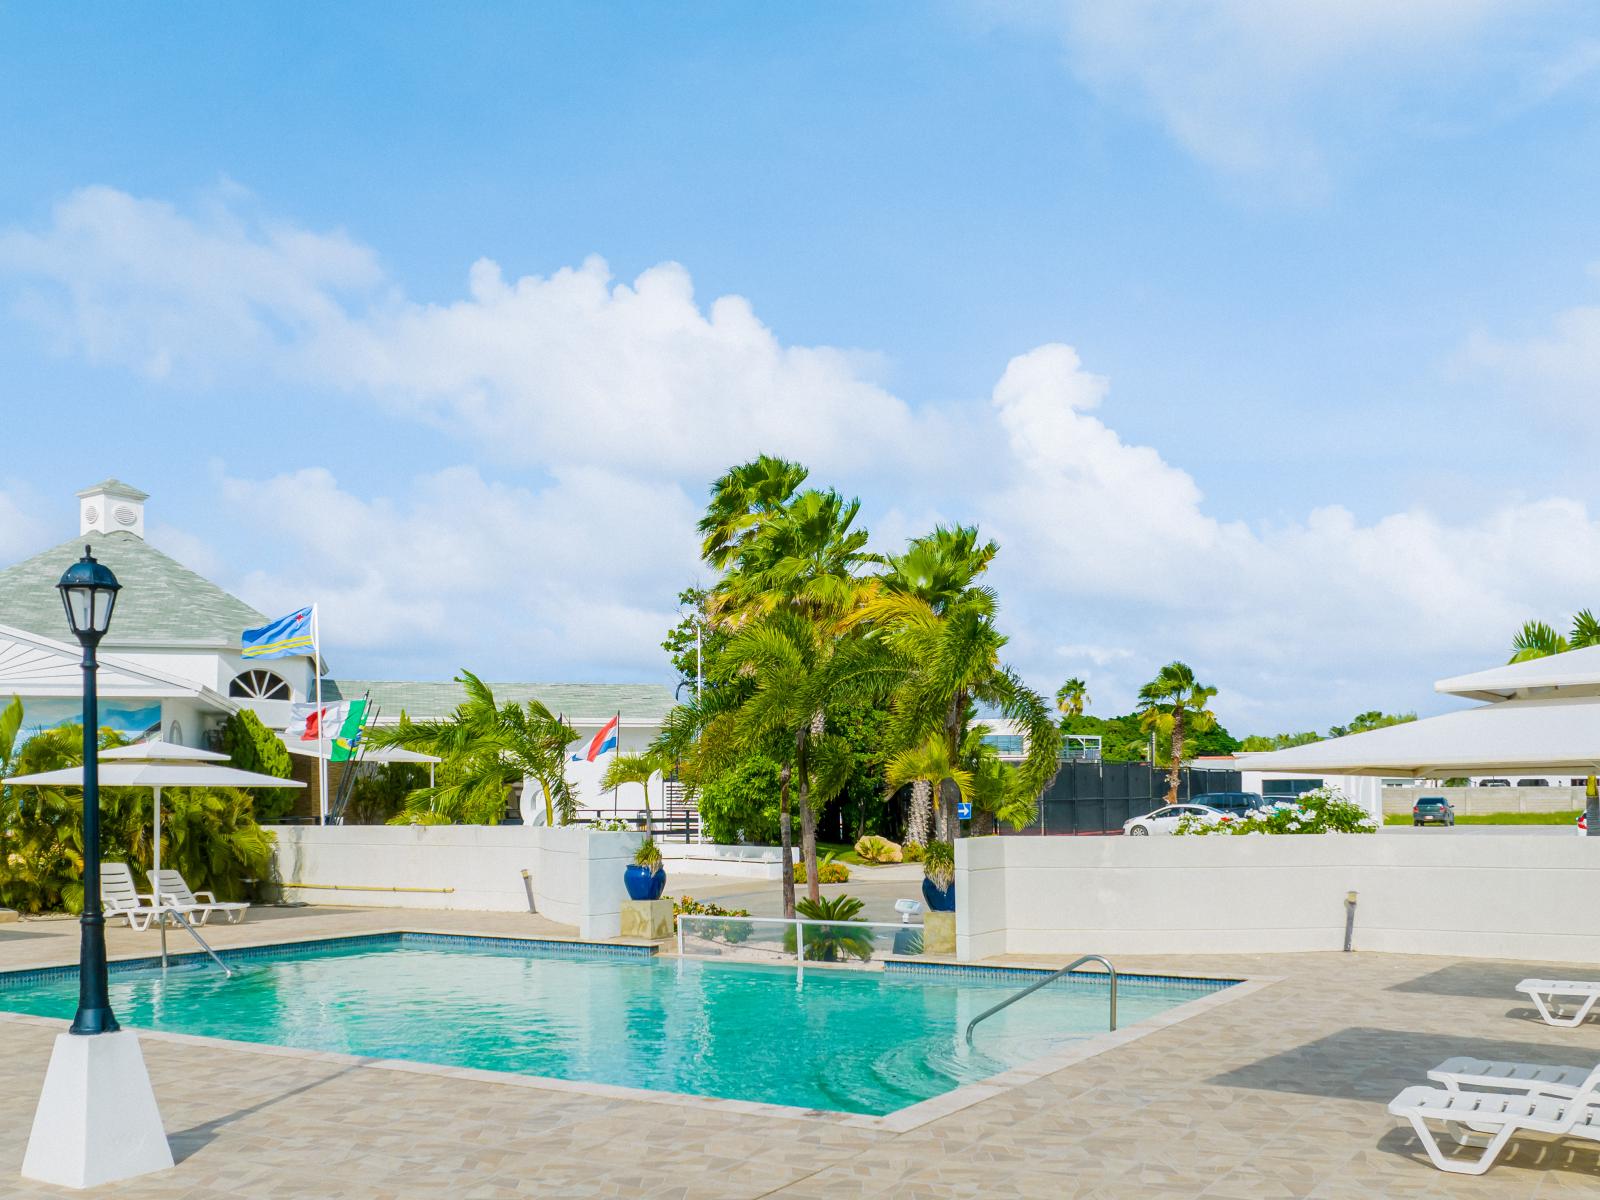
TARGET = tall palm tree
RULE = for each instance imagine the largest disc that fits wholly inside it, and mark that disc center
(795, 666)
(741, 500)
(487, 748)
(806, 555)
(1072, 697)
(943, 658)
(1537, 640)
(633, 768)
(1175, 696)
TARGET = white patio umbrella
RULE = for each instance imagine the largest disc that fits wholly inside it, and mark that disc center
(155, 765)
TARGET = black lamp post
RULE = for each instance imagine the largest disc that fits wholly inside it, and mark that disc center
(89, 593)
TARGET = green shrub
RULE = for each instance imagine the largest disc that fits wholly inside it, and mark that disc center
(828, 871)
(731, 932)
(648, 855)
(911, 852)
(939, 862)
(740, 806)
(251, 746)
(1323, 810)
(378, 793)
(875, 849)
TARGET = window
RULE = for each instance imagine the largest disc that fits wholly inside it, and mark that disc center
(1289, 788)
(1005, 743)
(259, 685)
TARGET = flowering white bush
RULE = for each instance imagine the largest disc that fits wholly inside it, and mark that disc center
(1325, 810)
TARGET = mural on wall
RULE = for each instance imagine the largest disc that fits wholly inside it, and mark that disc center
(133, 719)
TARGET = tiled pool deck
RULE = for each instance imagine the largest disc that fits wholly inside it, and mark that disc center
(1279, 1092)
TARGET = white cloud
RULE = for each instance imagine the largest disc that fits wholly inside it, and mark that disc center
(1271, 91)
(1106, 543)
(22, 533)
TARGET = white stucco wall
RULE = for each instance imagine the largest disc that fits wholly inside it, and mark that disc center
(576, 874)
(1492, 896)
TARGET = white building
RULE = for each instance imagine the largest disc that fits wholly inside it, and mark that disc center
(171, 664)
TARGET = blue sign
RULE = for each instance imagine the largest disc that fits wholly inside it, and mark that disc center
(963, 810)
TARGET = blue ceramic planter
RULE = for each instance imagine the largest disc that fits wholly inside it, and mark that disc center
(643, 883)
(938, 899)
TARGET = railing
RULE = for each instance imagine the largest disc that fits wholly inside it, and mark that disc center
(194, 933)
(1049, 979)
(839, 941)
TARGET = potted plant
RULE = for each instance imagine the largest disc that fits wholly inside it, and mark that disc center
(644, 879)
(939, 877)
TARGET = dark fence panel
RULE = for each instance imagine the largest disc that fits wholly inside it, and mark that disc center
(1098, 797)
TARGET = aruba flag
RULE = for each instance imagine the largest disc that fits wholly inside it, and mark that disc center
(605, 740)
(281, 638)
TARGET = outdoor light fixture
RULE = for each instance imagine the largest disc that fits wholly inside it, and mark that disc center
(89, 593)
(97, 1119)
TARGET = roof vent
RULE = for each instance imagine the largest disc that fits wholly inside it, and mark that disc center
(111, 505)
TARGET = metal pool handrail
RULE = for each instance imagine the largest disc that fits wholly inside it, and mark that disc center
(1051, 978)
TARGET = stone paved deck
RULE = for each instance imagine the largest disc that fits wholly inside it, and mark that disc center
(1278, 1094)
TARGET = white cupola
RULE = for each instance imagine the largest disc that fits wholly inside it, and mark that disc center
(111, 506)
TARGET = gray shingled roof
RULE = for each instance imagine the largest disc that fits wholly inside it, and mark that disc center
(161, 601)
(432, 700)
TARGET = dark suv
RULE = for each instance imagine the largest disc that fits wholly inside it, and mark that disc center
(1432, 810)
(1235, 804)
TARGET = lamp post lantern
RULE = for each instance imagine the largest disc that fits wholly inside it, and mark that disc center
(89, 593)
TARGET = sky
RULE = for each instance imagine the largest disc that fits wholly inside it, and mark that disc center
(1263, 337)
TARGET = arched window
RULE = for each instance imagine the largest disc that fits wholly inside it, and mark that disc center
(259, 685)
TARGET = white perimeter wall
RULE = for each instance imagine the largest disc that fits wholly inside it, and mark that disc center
(1489, 896)
(576, 874)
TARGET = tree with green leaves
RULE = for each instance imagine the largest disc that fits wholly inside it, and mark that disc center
(633, 768)
(1174, 705)
(251, 746)
(741, 501)
(1072, 697)
(1370, 720)
(485, 749)
(927, 766)
(10, 726)
(937, 627)
(1537, 640)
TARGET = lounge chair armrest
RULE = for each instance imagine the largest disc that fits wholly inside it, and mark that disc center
(206, 897)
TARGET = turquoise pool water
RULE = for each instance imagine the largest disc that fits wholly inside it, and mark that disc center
(843, 1040)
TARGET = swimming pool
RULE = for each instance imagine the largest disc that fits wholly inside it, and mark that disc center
(853, 1041)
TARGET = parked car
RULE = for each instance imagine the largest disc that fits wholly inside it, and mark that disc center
(1494, 783)
(1165, 820)
(1432, 810)
(1583, 824)
(1533, 783)
(1237, 803)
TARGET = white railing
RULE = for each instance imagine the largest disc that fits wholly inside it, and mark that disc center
(687, 924)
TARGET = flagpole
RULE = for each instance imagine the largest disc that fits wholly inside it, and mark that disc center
(322, 757)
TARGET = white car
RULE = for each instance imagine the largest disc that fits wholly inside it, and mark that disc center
(1165, 820)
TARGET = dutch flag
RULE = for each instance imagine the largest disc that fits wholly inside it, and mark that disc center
(605, 740)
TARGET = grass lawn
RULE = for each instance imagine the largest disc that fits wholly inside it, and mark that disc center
(1549, 818)
(845, 854)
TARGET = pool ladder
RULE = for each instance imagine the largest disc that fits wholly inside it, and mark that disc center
(1049, 979)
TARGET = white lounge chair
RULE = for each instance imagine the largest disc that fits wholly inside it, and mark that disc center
(175, 895)
(1491, 1119)
(1529, 1079)
(121, 898)
(1550, 996)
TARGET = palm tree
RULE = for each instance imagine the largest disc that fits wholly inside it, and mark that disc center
(632, 768)
(741, 500)
(1072, 697)
(805, 555)
(793, 666)
(943, 657)
(1175, 702)
(1537, 640)
(927, 764)
(485, 749)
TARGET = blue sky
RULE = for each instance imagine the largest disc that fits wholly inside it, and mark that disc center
(1324, 430)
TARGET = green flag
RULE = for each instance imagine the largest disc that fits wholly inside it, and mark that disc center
(347, 740)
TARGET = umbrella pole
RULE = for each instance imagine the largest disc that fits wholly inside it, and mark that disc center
(155, 875)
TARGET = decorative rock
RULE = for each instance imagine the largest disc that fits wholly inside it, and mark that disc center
(651, 920)
(939, 933)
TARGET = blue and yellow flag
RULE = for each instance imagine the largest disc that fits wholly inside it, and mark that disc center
(281, 638)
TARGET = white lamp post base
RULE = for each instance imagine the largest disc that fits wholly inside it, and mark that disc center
(97, 1119)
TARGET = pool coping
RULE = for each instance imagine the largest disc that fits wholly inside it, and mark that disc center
(901, 1120)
